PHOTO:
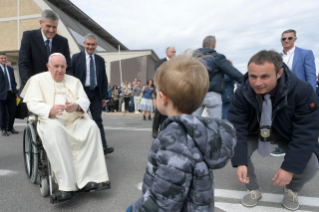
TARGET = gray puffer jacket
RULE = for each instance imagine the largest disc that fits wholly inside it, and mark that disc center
(178, 174)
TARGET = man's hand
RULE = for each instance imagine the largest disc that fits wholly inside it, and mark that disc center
(56, 110)
(71, 107)
(242, 174)
(282, 177)
(103, 102)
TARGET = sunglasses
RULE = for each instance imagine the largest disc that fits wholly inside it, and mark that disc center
(284, 39)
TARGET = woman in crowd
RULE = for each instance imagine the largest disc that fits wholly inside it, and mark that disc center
(115, 97)
(137, 92)
(146, 103)
(127, 92)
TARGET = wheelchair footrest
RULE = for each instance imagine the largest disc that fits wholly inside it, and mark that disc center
(54, 199)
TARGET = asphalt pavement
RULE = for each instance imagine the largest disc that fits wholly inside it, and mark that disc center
(131, 138)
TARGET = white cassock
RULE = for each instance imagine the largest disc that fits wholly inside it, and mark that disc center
(72, 141)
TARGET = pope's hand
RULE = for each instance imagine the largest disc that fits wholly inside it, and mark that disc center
(71, 107)
(56, 110)
(282, 177)
(242, 174)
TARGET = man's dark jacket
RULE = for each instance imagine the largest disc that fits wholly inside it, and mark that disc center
(3, 84)
(33, 55)
(295, 119)
(159, 63)
(78, 70)
(221, 67)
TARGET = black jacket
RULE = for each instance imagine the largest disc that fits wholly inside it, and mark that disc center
(3, 84)
(33, 56)
(78, 70)
(221, 67)
(295, 119)
(159, 63)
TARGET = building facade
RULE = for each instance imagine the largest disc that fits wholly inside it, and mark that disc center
(18, 16)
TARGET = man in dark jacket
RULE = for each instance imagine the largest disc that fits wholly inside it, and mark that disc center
(272, 104)
(158, 117)
(218, 66)
(37, 45)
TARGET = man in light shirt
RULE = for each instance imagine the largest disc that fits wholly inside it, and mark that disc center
(300, 61)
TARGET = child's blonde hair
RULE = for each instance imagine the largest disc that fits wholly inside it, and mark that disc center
(184, 80)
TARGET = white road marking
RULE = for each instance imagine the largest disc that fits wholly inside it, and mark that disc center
(108, 128)
(266, 197)
(230, 207)
(5, 172)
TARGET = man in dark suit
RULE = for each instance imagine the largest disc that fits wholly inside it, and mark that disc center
(37, 45)
(89, 68)
(7, 96)
(158, 117)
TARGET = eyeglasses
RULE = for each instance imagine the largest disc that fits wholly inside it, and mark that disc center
(284, 39)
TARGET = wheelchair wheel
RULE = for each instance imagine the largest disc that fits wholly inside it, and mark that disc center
(44, 186)
(30, 155)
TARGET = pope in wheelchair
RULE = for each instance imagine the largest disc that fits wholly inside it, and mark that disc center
(71, 140)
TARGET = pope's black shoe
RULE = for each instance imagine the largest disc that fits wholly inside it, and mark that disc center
(90, 186)
(65, 195)
(13, 131)
(108, 150)
(4, 133)
(105, 185)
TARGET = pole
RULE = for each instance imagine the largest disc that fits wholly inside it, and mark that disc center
(120, 65)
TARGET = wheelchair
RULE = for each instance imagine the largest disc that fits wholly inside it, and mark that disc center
(36, 163)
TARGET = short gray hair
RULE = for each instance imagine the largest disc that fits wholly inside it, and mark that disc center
(49, 14)
(56, 54)
(208, 41)
(169, 48)
(90, 36)
(289, 31)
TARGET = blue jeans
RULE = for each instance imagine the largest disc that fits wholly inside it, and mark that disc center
(225, 110)
(131, 107)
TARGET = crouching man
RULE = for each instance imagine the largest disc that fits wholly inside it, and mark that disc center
(274, 105)
(72, 141)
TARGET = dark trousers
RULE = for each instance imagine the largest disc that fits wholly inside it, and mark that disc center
(158, 120)
(8, 105)
(116, 105)
(126, 102)
(96, 110)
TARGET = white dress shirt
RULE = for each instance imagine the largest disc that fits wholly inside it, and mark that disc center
(2, 67)
(289, 58)
(87, 81)
(45, 39)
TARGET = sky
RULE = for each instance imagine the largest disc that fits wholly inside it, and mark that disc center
(242, 27)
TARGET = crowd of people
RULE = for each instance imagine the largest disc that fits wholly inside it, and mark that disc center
(275, 102)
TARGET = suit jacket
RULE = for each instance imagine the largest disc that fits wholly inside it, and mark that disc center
(304, 66)
(3, 85)
(33, 56)
(78, 64)
(159, 63)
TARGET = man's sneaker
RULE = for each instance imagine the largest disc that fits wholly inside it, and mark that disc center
(251, 199)
(290, 200)
(278, 152)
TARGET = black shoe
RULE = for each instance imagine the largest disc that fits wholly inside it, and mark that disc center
(90, 186)
(108, 150)
(149, 117)
(65, 195)
(104, 185)
(278, 152)
(13, 131)
(144, 118)
(154, 134)
(4, 133)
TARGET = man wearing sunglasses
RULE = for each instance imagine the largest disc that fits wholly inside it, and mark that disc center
(300, 61)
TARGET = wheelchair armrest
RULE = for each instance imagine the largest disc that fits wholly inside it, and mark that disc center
(33, 118)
